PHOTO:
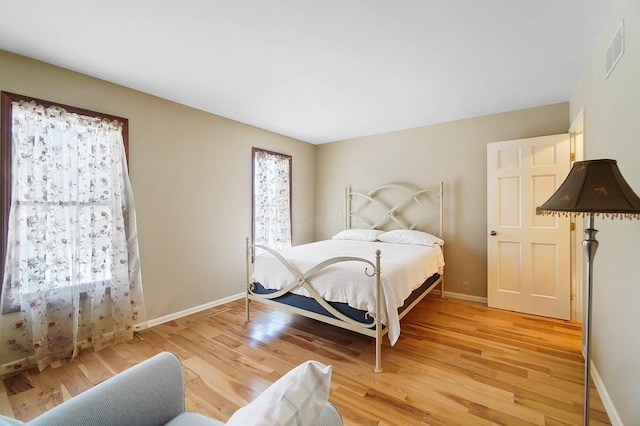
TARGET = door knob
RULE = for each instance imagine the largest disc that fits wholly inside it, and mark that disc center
(493, 233)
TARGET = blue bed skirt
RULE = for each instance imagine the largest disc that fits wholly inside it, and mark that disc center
(309, 304)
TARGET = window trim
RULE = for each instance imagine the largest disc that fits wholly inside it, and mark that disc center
(253, 188)
(6, 119)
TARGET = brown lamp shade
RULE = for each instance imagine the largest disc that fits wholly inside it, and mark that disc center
(594, 186)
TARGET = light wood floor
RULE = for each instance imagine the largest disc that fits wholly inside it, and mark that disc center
(456, 363)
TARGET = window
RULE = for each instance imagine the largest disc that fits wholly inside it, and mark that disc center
(53, 156)
(71, 272)
(6, 155)
(271, 199)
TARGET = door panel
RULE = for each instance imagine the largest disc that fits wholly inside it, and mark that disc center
(509, 267)
(528, 257)
(509, 201)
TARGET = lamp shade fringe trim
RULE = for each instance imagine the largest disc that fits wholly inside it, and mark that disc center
(583, 214)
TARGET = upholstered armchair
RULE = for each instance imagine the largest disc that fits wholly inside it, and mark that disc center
(152, 393)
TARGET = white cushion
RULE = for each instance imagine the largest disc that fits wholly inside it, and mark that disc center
(297, 398)
(358, 234)
(407, 236)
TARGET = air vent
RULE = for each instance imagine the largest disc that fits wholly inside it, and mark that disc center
(614, 50)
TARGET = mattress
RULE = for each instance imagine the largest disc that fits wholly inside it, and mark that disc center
(404, 268)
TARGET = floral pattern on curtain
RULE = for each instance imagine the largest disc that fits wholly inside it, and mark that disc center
(272, 199)
(72, 273)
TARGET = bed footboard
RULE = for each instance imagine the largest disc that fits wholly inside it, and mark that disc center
(301, 279)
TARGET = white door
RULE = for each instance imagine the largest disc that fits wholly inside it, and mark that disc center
(528, 266)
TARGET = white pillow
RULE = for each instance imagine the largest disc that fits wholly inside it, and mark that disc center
(297, 398)
(407, 236)
(358, 234)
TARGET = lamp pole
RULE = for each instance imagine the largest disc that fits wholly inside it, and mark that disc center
(590, 245)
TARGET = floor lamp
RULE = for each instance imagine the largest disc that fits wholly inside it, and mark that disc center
(592, 188)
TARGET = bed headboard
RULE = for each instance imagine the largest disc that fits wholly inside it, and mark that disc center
(396, 207)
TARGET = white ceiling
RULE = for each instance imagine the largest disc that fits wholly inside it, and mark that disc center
(321, 70)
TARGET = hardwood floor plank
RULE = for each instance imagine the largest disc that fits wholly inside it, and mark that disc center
(95, 370)
(28, 404)
(5, 404)
(70, 375)
(456, 363)
(371, 408)
(162, 342)
(500, 417)
(14, 385)
(221, 383)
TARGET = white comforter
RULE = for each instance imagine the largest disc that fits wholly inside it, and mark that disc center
(403, 269)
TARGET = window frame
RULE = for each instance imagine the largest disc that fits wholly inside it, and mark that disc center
(6, 160)
(253, 189)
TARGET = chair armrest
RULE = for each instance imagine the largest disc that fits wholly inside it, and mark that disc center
(149, 393)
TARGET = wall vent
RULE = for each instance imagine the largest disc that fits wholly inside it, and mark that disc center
(614, 50)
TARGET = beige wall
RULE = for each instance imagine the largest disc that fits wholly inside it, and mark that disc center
(454, 153)
(191, 177)
(612, 130)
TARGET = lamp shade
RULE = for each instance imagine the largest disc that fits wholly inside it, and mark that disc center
(594, 186)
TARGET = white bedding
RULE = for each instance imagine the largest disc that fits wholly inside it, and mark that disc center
(403, 268)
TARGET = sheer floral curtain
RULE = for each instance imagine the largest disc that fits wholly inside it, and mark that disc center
(272, 199)
(72, 273)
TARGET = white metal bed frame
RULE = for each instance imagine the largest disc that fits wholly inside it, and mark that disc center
(302, 279)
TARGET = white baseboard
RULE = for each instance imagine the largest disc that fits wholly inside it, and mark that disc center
(614, 417)
(194, 310)
(462, 296)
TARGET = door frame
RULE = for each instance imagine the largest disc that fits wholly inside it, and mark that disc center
(576, 133)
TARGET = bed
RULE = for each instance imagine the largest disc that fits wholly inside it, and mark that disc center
(368, 276)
